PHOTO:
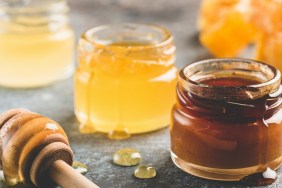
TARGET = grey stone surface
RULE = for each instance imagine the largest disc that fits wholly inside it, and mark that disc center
(56, 101)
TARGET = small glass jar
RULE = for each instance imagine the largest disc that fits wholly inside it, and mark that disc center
(227, 122)
(36, 42)
(124, 83)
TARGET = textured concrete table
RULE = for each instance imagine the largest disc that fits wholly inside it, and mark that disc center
(96, 151)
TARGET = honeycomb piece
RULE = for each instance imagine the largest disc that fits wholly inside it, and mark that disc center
(269, 49)
(266, 15)
(229, 26)
(212, 11)
(229, 36)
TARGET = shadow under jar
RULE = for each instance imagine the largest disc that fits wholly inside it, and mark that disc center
(125, 80)
(227, 122)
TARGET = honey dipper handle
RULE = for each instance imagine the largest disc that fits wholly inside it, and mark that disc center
(65, 176)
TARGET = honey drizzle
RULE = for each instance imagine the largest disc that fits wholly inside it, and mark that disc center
(119, 132)
(260, 179)
(87, 126)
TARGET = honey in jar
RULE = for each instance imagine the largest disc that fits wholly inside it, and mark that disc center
(227, 122)
(36, 43)
(125, 79)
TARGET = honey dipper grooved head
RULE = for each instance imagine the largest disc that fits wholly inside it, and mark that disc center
(26, 139)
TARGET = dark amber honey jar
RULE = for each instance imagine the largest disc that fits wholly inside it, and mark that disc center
(227, 122)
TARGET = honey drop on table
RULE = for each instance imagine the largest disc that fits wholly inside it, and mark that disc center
(127, 157)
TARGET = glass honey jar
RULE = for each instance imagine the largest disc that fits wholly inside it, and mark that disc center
(36, 42)
(227, 121)
(125, 79)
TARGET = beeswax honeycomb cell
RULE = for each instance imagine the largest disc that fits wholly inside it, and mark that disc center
(269, 49)
(212, 11)
(227, 27)
(266, 15)
(229, 36)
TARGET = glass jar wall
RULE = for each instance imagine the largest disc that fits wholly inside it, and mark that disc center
(36, 42)
(125, 80)
(227, 122)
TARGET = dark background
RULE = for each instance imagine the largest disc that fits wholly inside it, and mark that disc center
(56, 101)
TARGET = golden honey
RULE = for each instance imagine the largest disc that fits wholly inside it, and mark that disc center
(36, 43)
(124, 83)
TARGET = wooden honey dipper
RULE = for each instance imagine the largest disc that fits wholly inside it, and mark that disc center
(35, 150)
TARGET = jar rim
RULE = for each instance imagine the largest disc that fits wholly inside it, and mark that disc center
(90, 34)
(230, 92)
(33, 17)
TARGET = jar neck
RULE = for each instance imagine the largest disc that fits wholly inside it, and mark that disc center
(262, 107)
(30, 18)
(230, 88)
(126, 48)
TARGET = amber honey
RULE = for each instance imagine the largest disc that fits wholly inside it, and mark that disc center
(125, 80)
(226, 124)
